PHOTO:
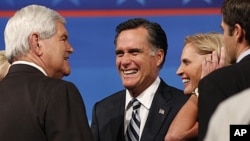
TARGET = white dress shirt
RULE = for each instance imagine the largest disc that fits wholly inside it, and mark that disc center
(145, 98)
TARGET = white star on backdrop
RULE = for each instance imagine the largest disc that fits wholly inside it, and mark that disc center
(119, 2)
(142, 2)
(187, 1)
(75, 2)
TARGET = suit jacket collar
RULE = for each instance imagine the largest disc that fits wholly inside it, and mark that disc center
(158, 112)
(30, 64)
(246, 58)
(23, 68)
(242, 55)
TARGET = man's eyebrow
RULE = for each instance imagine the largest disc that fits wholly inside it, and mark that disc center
(135, 50)
(118, 50)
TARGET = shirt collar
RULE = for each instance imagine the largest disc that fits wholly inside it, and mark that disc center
(31, 64)
(146, 97)
(247, 52)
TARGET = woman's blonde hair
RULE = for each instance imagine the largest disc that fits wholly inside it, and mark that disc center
(4, 64)
(206, 43)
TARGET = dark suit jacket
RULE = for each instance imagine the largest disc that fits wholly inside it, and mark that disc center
(34, 107)
(108, 115)
(218, 86)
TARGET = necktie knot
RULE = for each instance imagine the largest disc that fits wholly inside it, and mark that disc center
(136, 104)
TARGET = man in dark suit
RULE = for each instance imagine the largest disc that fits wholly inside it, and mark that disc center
(227, 81)
(140, 47)
(36, 105)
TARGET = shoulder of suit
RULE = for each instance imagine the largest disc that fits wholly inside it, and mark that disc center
(115, 97)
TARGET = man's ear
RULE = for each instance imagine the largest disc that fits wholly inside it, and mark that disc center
(160, 56)
(35, 47)
(239, 33)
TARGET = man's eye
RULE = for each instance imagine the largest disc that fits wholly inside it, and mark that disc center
(64, 38)
(119, 54)
(135, 53)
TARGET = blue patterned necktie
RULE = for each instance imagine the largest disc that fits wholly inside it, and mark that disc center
(133, 130)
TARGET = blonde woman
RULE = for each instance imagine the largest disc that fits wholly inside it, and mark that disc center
(202, 53)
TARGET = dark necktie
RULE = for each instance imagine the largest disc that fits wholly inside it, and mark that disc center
(133, 130)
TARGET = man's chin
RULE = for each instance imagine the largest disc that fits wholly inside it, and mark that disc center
(128, 86)
(61, 75)
(66, 72)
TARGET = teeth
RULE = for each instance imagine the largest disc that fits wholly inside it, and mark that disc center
(185, 80)
(129, 71)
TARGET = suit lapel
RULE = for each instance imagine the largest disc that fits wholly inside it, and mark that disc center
(157, 114)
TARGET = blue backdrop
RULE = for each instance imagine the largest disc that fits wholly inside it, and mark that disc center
(111, 4)
(93, 60)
